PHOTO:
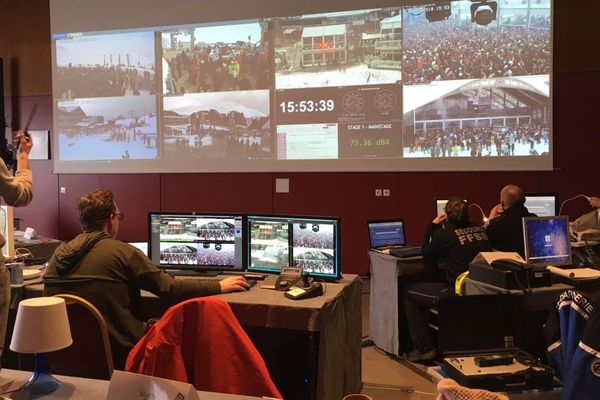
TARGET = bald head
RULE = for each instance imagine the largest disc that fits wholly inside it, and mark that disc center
(511, 195)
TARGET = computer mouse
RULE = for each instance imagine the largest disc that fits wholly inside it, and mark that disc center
(251, 282)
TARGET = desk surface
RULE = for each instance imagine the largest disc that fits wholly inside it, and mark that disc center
(335, 316)
(82, 389)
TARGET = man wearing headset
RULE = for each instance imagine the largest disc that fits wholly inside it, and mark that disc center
(455, 243)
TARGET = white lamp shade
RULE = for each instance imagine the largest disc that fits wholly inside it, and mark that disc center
(42, 325)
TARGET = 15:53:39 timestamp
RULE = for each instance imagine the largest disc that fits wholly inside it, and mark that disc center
(302, 106)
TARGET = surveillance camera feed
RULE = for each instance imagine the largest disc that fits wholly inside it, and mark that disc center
(195, 241)
(311, 243)
(455, 85)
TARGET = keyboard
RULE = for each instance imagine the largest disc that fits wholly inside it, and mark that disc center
(408, 251)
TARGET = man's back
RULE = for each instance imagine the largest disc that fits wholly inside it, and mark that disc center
(505, 232)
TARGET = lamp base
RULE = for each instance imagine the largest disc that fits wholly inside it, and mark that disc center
(42, 381)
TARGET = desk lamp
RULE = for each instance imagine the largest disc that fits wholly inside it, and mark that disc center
(42, 325)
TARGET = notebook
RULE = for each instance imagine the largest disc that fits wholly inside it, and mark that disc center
(388, 236)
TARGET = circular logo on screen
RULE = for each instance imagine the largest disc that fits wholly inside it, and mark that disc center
(353, 102)
(595, 367)
(385, 100)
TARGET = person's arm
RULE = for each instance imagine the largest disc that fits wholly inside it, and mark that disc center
(18, 190)
(156, 281)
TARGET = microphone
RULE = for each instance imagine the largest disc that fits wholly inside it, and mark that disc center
(485, 219)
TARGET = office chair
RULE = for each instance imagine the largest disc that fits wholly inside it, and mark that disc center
(90, 355)
(200, 341)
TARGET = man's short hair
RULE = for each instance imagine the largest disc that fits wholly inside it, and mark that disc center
(95, 209)
(512, 195)
(457, 210)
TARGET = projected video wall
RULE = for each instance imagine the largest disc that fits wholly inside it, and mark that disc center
(389, 88)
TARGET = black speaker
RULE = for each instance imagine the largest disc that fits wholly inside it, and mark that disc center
(5, 150)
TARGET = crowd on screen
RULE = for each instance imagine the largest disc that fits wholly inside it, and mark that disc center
(213, 68)
(318, 266)
(216, 234)
(315, 240)
(178, 258)
(213, 257)
(103, 81)
(480, 141)
(446, 50)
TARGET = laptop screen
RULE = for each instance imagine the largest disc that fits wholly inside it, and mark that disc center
(542, 205)
(386, 233)
(547, 240)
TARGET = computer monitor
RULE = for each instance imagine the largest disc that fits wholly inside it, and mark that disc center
(312, 243)
(143, 246)
(547, 241)
(195, 241)
(440, 205)
(386, 233)
(7, 230)
(542, 204)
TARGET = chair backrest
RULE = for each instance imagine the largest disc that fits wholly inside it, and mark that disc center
(90, 355)
(200, 341)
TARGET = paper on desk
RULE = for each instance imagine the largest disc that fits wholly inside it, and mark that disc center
(127, 385)
(487, 257)
(575, 273)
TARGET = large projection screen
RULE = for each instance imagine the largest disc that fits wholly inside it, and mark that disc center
(264, 85)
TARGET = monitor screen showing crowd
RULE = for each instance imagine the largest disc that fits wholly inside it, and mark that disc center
(312, 243)
(195, 241)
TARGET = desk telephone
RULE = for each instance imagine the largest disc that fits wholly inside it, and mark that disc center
(297, 284)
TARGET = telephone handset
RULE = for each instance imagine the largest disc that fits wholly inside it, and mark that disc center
(507, 264)
(291, 276)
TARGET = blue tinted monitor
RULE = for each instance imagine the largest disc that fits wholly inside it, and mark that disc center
(196, 241)
(547, 240)
(388, 233)
(542, 204)
(312, 243)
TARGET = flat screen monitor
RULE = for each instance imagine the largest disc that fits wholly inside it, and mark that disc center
(7, 230)
(312, 243)
(547, 240)
(388, 233)
(142, 246)
(542, 204)
(440, 205)
(194, 241)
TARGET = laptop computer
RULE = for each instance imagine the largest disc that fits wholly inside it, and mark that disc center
(388, 236)
(547, 241)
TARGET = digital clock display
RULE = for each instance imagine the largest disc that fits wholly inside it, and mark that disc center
(302, 106)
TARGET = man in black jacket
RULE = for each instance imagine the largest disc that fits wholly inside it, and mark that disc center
(505, 229)
(455, 243)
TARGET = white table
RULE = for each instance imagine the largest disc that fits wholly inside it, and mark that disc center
(81, 388)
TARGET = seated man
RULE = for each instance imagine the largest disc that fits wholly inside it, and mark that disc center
(110, 274)
(505, 228)
(457, 243)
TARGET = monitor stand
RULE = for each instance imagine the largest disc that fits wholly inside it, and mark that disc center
(194, 272)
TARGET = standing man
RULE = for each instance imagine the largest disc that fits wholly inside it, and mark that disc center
(110, 274)
(505, 229)
(16, 191)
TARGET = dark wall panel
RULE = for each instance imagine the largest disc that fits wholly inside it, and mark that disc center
(216, 192)
(134, 194)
